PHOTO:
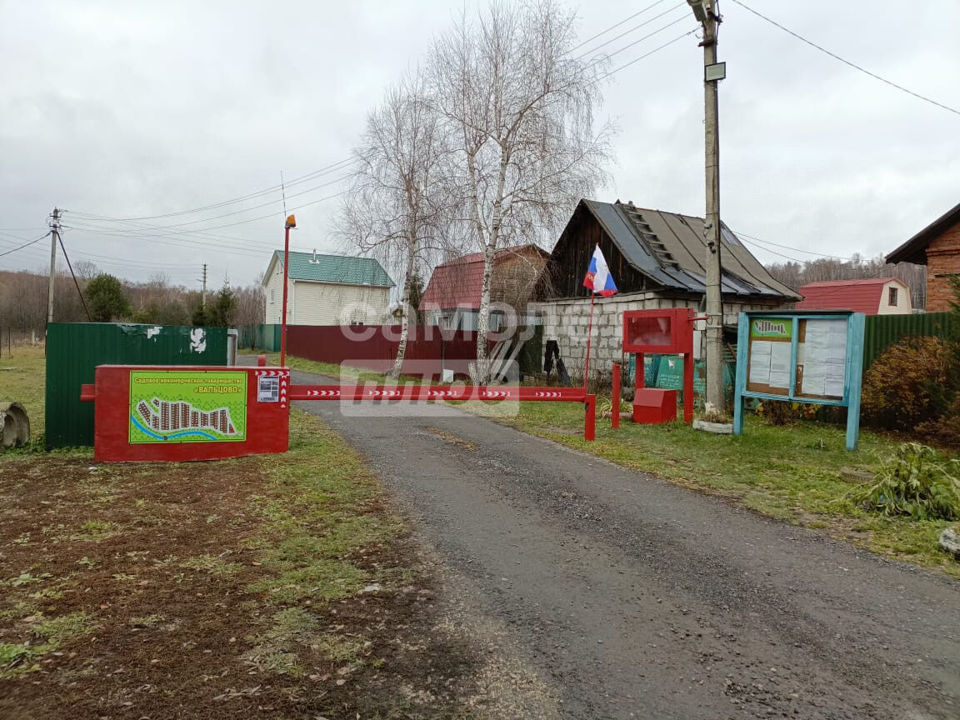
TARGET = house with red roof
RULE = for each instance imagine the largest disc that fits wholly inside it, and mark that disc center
(874, 296)
(452, 297)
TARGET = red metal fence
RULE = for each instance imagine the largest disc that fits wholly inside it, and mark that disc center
(374, 347)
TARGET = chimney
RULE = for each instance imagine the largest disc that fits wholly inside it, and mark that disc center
(313, 260)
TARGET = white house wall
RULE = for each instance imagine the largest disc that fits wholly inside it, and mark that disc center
(904, 304)
(325, 303)
(273, 296)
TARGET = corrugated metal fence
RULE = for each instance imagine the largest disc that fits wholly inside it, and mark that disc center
(881, 331)
(75, 349)
(260, 337)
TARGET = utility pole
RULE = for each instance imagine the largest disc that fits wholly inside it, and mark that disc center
(203, 292)
(713, 72)
(54, 239)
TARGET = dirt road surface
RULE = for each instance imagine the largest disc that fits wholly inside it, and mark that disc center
(633, 597)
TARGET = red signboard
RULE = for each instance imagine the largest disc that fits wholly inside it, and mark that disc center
(658, 332)
(188, 413)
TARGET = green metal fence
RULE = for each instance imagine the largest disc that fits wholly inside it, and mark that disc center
(881, 331)
(260, 337)
(75, 349)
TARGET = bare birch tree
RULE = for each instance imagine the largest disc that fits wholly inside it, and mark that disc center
(519, 113)
(395, 206)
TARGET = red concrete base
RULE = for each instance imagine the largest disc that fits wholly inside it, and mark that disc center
(652, 406)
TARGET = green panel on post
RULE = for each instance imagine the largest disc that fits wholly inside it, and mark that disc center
(75, 349)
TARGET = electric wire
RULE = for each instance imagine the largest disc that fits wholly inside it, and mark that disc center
(25, 245)
(66, 257)
(616, 25)
(849, 63)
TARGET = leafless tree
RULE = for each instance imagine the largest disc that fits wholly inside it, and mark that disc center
(395, 209)
(519, 108)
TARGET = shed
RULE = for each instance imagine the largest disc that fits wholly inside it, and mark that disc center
(873, 296)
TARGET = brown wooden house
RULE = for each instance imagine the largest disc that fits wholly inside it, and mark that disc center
(652, 251)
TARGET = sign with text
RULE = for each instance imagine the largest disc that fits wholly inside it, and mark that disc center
(802, 357)
(187, 406)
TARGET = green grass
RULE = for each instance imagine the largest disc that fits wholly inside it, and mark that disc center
(790, 472)
(315, 519)
(22, 380)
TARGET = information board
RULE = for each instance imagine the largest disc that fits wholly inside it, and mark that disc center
(769, 352)
(186, 406)
(821, 358)
(801, 356)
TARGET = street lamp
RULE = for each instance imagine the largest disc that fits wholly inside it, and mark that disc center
(290, 223)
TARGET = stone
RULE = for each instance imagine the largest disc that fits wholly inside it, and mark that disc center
(950, 541)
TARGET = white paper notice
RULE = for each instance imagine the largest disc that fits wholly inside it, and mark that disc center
(760, 362)
(824, 354)
(780, 365)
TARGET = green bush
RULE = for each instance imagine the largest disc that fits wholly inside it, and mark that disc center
(909, 384)
(916, 483)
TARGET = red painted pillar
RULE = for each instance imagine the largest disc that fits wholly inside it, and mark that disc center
(590, 419)
(638, 372)
(615, 409)
(688, 388)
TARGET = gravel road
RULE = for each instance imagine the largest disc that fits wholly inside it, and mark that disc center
(633, 597)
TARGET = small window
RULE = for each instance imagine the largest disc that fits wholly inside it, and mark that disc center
(892, 299)
(272, 296)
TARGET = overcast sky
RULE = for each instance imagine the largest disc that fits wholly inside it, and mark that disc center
(131, 109)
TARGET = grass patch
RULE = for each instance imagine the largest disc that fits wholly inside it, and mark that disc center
(319, 516)
(211, 564)
(789, 472)
(22, 378)
(96, 531)
(59, 630)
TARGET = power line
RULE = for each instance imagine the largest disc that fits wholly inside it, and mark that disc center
(28, 244)
(77, 284)
(787, 247)
(616, 25)
(648, 54)
(822, 49)
(630, 30)
(331, 168)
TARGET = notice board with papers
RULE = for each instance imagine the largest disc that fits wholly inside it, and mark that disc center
(809, 357)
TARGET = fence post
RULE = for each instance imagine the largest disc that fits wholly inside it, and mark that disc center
(615, 409)
(590, 419)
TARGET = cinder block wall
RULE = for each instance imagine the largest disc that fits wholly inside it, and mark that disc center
(566, 321)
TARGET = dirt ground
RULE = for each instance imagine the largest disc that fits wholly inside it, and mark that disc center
(262, 587)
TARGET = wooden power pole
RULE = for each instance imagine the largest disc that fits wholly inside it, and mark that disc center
(54, 239)
(713, 72)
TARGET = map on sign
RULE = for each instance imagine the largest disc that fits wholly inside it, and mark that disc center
(187, 406)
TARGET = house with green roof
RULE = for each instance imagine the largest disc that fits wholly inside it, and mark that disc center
(327, 289)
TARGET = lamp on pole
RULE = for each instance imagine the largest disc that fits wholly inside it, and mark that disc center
(705, 13)
(290, 223)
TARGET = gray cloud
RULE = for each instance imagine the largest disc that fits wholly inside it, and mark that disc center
(128, 109)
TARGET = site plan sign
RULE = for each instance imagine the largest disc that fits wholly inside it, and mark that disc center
(187, 406)
(810, 357)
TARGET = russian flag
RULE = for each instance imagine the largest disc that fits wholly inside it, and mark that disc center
(598, 276)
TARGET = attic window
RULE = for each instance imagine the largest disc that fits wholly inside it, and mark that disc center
(892, 297)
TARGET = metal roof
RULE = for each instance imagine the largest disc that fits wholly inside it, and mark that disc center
(669, 248)
(339, 269)
(858, 295)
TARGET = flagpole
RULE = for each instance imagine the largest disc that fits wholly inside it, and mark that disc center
(586, 369)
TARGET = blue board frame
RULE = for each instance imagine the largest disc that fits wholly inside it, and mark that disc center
(853, 373)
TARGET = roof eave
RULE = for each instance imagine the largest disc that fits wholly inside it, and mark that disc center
(914, 250)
